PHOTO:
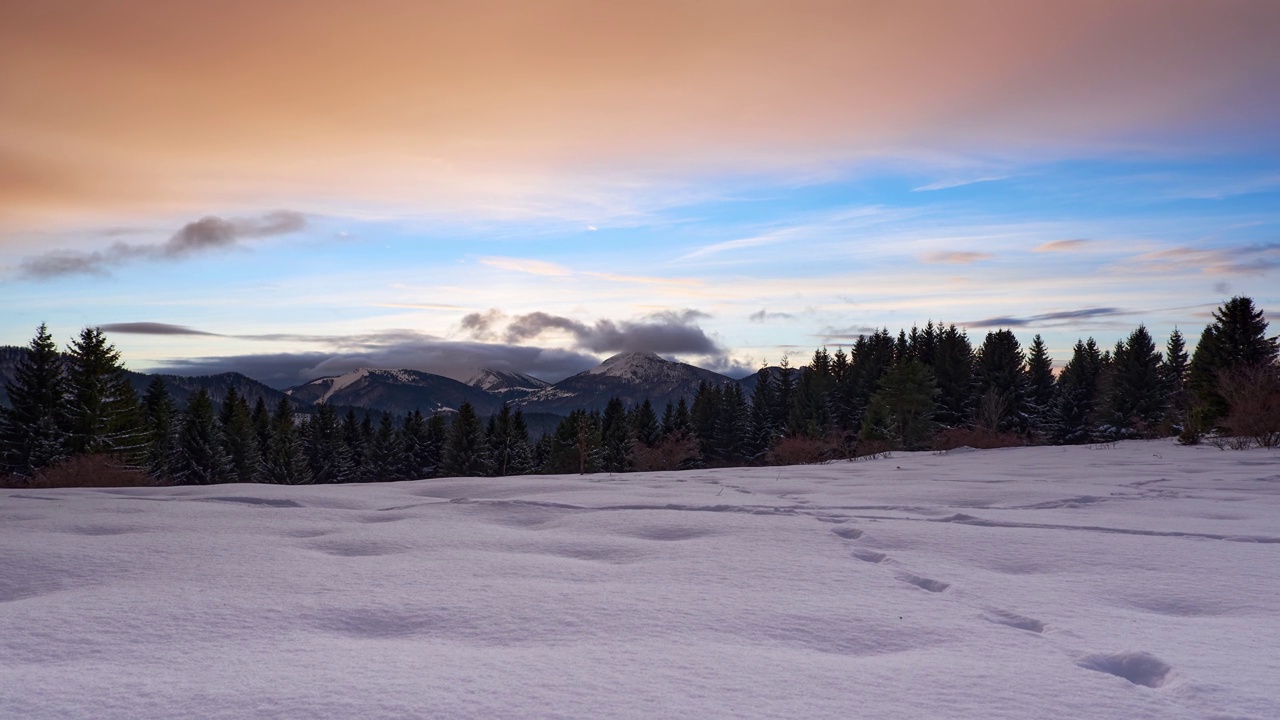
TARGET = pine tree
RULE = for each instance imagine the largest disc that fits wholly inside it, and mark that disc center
(904, 404)
(1173, 374)
(507, 437)
(953, 369)
(420, 458)
(464, 453)
(198, 456)
(159, 420)
(1137, 400)
(732, 432)
(644, 423)
(240, 437)
(1236, 339)
(615, 438)
(386, 452)
(1077, 392)
(1002, 382)
(32, 429)
(261, 421)
(327, 453)
(762, 431)
(102, 408)
(285, 460)
(574, 447)
(1039, 386)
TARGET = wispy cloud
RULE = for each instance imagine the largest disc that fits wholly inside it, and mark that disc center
(1256, 259)
(204, 235)
(1062, 245)
(959, 182)
(956, 258)
(1063, 317)
(527, 265)
(765, 315)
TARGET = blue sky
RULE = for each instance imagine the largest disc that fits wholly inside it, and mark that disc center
(1069, 178)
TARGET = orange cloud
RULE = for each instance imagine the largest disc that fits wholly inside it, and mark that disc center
(956, 257)
(519, 107)
(1061, 245)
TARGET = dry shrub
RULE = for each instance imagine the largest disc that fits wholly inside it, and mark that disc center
(1253, 398)
(872, 449)
(982, 438)
(90, 471)
(672, 453)
(807, 451)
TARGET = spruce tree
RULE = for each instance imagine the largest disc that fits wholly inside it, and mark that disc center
(953, 370)
(327, 453)
(1137, 392)
(1236, 339)
(1078, 390)
(762, 430)
(159, 420)
(644, 423)
(420, 459)
(464, 453)
(285, 460)
(1173, 374)
(904, 405)
(1002, 379)
(386, 452)
(733, 427)
(198, 456)
(615, 438)
(32, 429)
(1039, 386)
(240, 438)
(102, 408)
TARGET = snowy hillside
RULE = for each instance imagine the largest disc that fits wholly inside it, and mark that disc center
(395, 391)
(506, 384)
(1134, 581)
(629, 376)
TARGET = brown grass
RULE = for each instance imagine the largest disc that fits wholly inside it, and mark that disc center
(975, 437)
(84, 471)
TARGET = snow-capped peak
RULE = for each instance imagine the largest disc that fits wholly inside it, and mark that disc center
(630, 364)
(499, 381)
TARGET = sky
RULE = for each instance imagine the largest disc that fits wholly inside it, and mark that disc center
(294, 189)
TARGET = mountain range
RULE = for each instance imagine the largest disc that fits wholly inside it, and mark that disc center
(633, 377)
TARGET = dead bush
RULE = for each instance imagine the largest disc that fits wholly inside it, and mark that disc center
(1253, 401)
(982, 438)
(672, 453)
(90, 471)
(873, 449)
(807, 451)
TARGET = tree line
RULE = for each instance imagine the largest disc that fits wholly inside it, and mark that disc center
(924, 388)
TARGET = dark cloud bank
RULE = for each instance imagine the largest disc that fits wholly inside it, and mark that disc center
(493, 345)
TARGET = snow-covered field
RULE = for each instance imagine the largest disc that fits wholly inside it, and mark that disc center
(1140, 580)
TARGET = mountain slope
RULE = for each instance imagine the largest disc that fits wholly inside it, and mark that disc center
(633, 377)
(395, 391)
(507, 385)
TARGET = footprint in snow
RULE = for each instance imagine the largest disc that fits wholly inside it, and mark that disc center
(1014, 620)
(924, 583)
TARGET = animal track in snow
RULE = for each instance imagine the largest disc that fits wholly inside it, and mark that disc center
(870, 556)
(354, 548)
(924, 583)
(1014, 620)
(1139, 668)
(847, 533)
(266, 502)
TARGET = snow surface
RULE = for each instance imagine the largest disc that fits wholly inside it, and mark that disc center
(339, 382)
(1140, 580)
